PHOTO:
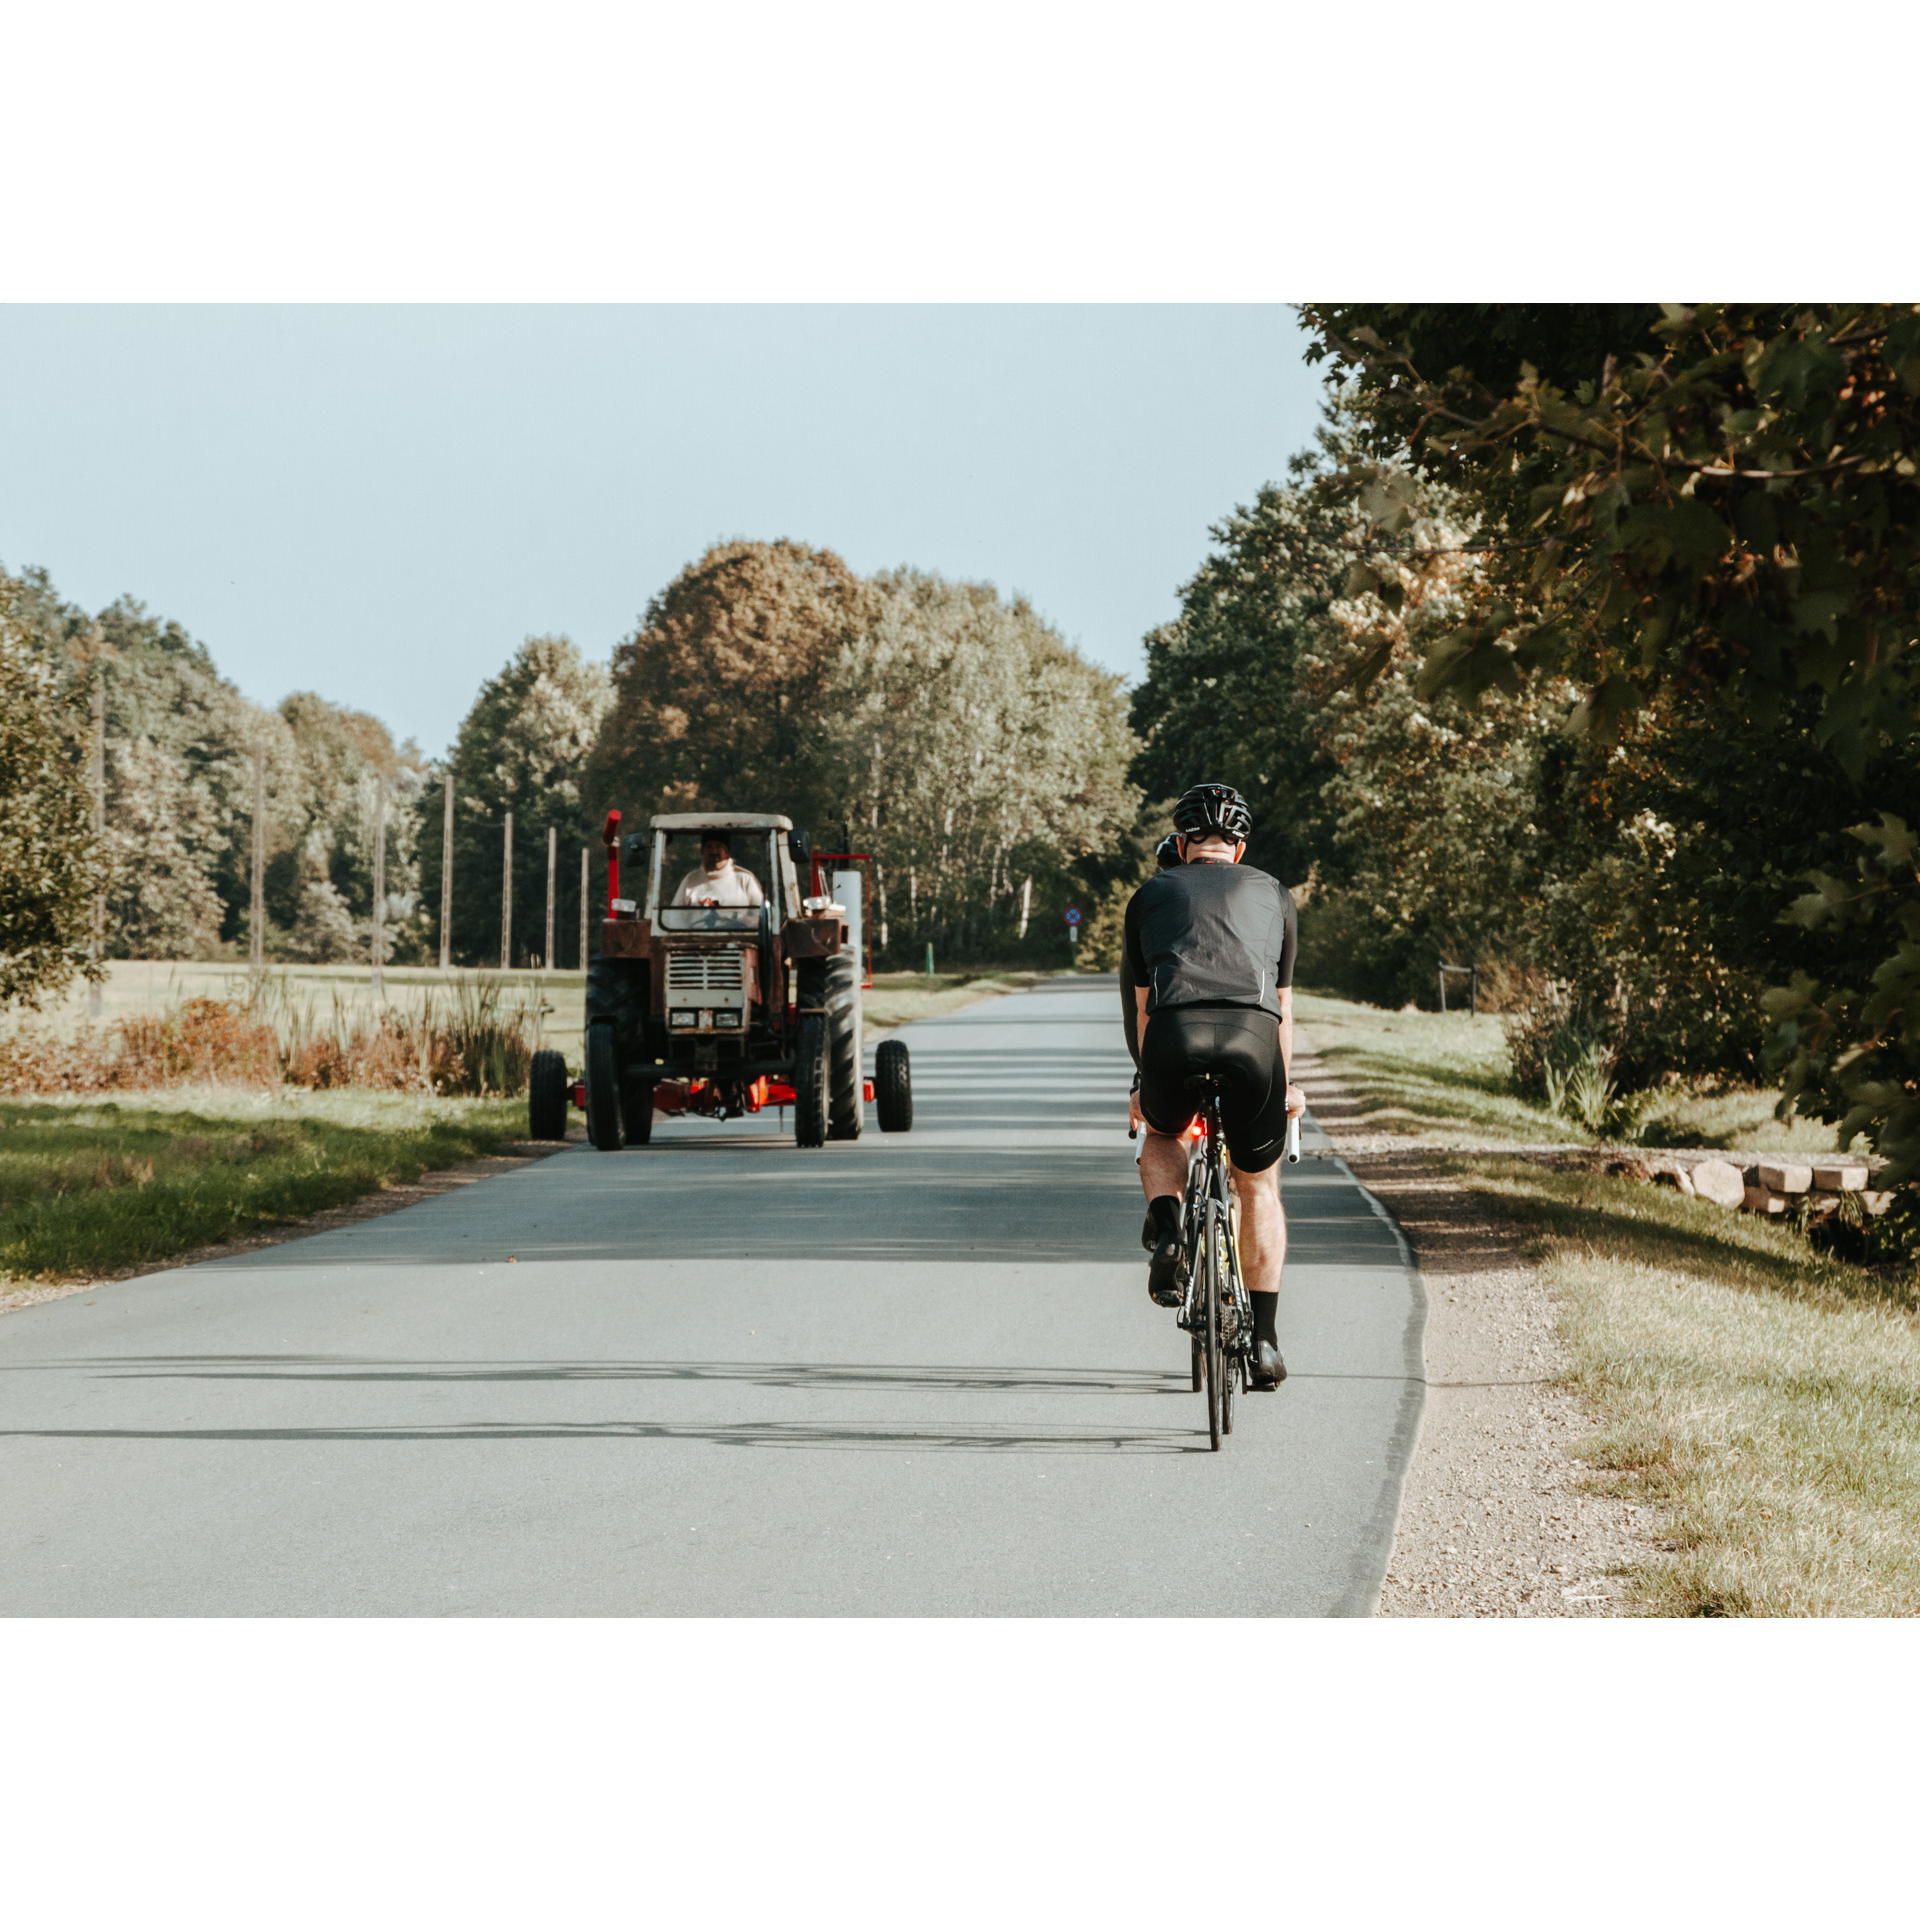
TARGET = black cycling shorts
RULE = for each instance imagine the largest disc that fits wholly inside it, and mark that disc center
(1240, 1043)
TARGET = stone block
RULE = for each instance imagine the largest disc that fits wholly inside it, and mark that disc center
(1783, 1176)
(1839, 1179)
(1763, 1200)
(1875, 1201)
(1720, 1182)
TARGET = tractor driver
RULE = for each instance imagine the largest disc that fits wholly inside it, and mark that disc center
(717, 882)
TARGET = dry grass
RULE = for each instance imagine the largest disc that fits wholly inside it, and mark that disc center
(1766, 1392)
(470, 1037)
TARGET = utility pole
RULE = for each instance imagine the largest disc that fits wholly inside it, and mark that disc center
(553, 878)
(584, 877)
(380, 886)
(506, 898)
(446, 883)
(257, 896)
(95, 1004)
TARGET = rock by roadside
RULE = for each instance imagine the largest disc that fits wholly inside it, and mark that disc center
(1492, 1522)
(370, 1206)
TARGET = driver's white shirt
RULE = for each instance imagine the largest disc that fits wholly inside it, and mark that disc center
(732, 886)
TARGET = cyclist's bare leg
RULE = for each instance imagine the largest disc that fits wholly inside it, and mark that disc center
(1263, 1226)
(1163, 1165)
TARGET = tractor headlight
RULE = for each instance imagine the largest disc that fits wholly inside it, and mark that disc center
(682, 1017)
(726, 1017)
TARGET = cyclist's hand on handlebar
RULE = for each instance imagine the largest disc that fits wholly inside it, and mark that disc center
(1296, 1103)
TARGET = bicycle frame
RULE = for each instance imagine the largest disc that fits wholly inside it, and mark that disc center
(1210, 1223)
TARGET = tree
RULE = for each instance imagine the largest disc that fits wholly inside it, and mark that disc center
(1728, 515)
(1222, 698)
(719, 693)
(49, 866)
(979, 758)
(524, 747)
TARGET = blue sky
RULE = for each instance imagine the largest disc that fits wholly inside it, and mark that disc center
(379, 502)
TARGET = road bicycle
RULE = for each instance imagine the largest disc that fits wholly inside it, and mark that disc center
(1215, 1311)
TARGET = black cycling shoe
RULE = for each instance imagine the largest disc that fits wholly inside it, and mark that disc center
(1166, 1280)
(1266, 1368)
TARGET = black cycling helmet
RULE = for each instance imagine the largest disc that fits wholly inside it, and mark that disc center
(1212, 809)
(1167, 853)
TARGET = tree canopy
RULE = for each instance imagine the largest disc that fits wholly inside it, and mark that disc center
(49, 866)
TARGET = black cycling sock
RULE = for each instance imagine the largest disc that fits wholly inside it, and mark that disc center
(1266, 1309)
(1163, 1220)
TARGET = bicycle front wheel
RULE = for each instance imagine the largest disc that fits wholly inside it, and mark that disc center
(1211, 1253)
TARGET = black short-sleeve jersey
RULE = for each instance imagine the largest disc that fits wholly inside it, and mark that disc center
(1212, 935)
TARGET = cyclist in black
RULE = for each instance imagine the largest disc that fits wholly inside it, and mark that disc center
(1210, 944)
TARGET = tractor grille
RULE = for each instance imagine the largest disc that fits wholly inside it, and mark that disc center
(722, 972)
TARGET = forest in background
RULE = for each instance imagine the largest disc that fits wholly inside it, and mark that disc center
(953, 735)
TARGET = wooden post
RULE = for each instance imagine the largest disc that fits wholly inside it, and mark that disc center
(257, 899)
(446, 883)
(585, 876)
(553, 882)
(506, 898)
(1443, 989)
(95, 1002)
(380, 887)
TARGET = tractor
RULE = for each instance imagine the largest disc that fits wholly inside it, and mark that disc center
(726, 991)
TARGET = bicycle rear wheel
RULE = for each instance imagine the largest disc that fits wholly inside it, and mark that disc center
(1210, 1287)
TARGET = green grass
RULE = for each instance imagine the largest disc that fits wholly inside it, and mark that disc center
(89, 1187)
(1443, 1078)
(1767, 1393)
(1426, 1075)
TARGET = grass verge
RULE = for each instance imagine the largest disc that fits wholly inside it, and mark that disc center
(95, 1187)
(896, 998)
(1444, 1078)
(1767, 1393)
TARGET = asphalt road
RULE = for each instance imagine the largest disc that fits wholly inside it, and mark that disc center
(913, 1374)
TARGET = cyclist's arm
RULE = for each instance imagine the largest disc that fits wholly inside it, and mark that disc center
(1286, 1029)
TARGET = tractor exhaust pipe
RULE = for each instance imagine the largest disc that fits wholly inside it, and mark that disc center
(610, 833)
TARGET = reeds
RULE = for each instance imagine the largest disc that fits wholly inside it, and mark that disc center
(471, 1041)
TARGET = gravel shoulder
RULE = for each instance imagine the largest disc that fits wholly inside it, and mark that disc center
(1493, 1519)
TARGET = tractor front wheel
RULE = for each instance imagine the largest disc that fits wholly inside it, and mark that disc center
(547, 1095)
(811, 1059)
(603, 1087)
(893, 1086)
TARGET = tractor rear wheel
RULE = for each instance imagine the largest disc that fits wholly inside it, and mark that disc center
(603, 1087)
(845, 1089)
(810, 1062)
(547, 1095)
(893, 1087)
